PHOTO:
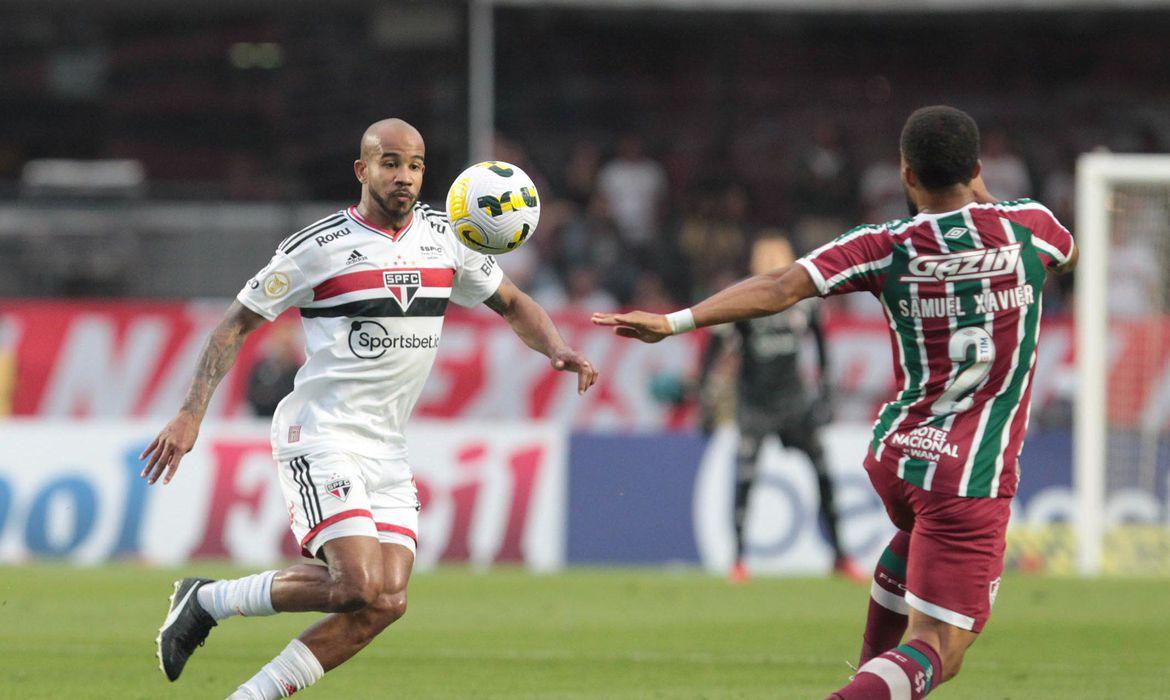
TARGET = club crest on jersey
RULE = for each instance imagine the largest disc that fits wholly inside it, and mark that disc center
(967, 265)
(403, 286)
(338, 487)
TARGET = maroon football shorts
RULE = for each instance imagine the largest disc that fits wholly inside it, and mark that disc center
(956, 547)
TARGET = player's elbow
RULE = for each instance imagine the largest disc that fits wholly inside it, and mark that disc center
(510, 310)
(1070, 264)
(1066, 268)
(784, 295)
(793, 286)
(242, 319)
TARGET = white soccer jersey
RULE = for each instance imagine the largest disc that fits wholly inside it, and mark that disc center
(372, 304)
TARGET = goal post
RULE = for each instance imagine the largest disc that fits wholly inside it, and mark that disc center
(1122, 203)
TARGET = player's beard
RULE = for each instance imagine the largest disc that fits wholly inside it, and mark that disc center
(395, 210)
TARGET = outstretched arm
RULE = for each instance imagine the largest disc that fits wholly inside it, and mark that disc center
(530, 321)
(762, 295)
(219, 354)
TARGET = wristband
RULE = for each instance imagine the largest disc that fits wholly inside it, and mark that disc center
(681, 321)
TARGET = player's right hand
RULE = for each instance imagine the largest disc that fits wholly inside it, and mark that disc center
(646, 327)
(168, 448)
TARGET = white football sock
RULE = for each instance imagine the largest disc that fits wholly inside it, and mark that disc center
(250, 596)
(294, 669)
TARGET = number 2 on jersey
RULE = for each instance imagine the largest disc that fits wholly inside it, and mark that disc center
(959, 395)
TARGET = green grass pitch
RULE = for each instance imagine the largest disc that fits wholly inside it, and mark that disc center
(89, 633)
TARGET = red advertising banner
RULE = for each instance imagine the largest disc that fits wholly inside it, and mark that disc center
(113, 360)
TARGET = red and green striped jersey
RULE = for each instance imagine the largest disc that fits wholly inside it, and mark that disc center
(961, 292)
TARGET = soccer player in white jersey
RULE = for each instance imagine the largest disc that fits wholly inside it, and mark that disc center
(372, 283)
(961, 284)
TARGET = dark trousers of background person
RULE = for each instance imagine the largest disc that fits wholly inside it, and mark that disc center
(797, 431)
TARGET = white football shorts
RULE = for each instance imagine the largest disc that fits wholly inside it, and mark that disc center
(336, 494)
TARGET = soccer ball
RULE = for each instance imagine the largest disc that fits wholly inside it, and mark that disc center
(493, 207)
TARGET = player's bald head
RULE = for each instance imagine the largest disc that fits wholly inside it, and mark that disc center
(389, 135)
(390, 165)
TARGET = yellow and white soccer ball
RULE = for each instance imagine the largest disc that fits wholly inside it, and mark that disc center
(493, 207)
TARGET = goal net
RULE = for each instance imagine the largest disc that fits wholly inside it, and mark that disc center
(1122, 418)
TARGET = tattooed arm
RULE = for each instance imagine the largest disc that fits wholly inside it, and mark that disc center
(530, 321)
(218, 356)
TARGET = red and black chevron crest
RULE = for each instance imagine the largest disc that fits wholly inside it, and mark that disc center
(403, 286)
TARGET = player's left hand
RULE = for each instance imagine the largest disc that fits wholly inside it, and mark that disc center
(646, 327)
(167, 449)
(569, 360)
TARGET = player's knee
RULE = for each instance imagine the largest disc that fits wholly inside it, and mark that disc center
(378, 615)
(390, 607)
(950, 655)
(356, 590)
(950, 643)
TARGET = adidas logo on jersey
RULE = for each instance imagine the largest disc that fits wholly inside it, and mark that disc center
(967, 265)
(355, 257)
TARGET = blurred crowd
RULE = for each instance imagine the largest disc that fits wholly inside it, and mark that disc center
(615, 232)
(662, 143)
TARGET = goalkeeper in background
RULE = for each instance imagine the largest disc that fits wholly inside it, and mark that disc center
(771, 399)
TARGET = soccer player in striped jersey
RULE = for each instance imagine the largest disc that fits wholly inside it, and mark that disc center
(372, 283)
(960, 282)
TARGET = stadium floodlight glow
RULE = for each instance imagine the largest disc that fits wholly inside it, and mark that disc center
(1115, 195)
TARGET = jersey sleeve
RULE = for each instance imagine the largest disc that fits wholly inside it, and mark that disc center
(477, 277)
(279, 286)
(854, 262)
(1051, 239)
